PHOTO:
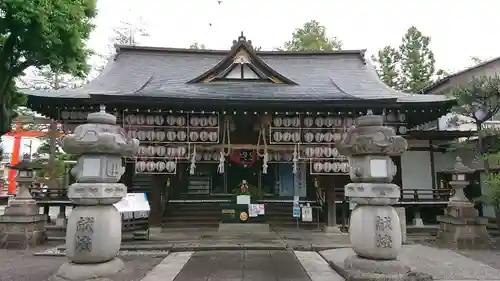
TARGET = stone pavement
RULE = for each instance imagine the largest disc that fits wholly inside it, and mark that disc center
(440, 263)
(243, 265)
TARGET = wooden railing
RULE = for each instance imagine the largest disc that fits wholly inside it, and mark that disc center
(425, 196)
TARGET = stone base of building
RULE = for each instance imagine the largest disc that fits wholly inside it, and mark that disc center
(244, 227)
(360, 269)
(88, 272)
(461, 228)
(21, 227)
(332, 229)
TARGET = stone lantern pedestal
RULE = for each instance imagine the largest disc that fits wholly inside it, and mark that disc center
(22, 226)
(461, 227)
(93, 234)
(374, 230)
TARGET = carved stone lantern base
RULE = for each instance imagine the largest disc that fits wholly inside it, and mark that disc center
(462, 228)
(22, 227)
(361, 269)
(91, 272)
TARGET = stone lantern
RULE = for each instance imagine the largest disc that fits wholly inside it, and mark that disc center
(93, 234)
(22, 226)
(374, 230)
(461, 227)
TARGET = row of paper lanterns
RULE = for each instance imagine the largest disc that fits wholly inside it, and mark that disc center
(203, 136)
(327, 137)
(171, 120)
(330, 167)
(310, 122)
(180, 151)
(155, 166)
(321, 152)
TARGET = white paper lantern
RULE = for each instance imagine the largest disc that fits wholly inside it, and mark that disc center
(194, 121)
(193, 136)
(309, 137)
(141, 135)
(318, 137)
(181, 151)
(199, 156)
(329, 122)
(214, 136)
(326, 167)
(170, 166)
(207, 156)
(171, 120)
(180, 121)
(308, 121)
(160, 150)
(160, 166)
(277, 121)
(335, 152)
(151, 150)
(171, 135)
(150, 120)
(160, 135)
(159, 120)
(141, 119)
(337, 137)
(318, 167)
(170, 152)
(344, 167)
(296, 122)
(327, 152)
(150, 166)
(318, 152)
(287, 122)
(181, 135)
(204, 136)
(150, 135)
(66, 115)
(287, 137)
(296, 137)
(309, 151)
(319, 122)
(212, 121)
(203, 121)
(277, 136)
(133, 119)
(140, 166)
(328, 137)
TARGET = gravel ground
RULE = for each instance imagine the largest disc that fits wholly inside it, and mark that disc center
(23, 266)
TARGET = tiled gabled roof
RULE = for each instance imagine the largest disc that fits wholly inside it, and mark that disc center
(166, 73)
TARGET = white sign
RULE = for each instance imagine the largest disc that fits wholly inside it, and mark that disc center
(253, 210)
(378, 168)
(133, 205)
(307, 213)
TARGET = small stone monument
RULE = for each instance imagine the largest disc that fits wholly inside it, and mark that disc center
(374, 230)
(22, 226)
(461, 227)
(93, 234)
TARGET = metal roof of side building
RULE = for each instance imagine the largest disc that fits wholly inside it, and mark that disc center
(148, 74)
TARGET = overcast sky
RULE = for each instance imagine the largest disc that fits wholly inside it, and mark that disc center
(459, 29)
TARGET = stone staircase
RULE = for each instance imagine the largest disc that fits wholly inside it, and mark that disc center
(192, 215)
(207, 215)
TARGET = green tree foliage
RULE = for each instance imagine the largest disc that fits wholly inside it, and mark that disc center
(41, 33)
(387, 60)
(197, 46)
(411, 66)
(479, 100)
(312, 37)
(417, 61)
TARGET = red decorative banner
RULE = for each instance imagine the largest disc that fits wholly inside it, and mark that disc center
(244, 156)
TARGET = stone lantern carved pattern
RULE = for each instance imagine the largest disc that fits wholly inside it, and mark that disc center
(93, 233)
(374, 230)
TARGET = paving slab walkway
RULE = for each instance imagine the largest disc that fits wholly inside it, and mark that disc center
(442, 264)
(243, 266)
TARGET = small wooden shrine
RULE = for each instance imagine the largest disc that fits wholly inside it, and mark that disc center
(208, 119)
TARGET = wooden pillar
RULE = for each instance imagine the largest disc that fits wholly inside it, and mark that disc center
(155, 215)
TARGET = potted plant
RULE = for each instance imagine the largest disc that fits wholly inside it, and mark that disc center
(245, 193)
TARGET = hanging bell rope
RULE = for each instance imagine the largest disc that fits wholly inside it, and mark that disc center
(265, 155)
(192, 167)
(226, 133)
(222, 160)
(295, 159)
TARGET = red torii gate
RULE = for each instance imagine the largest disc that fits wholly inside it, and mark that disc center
(18, 133)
